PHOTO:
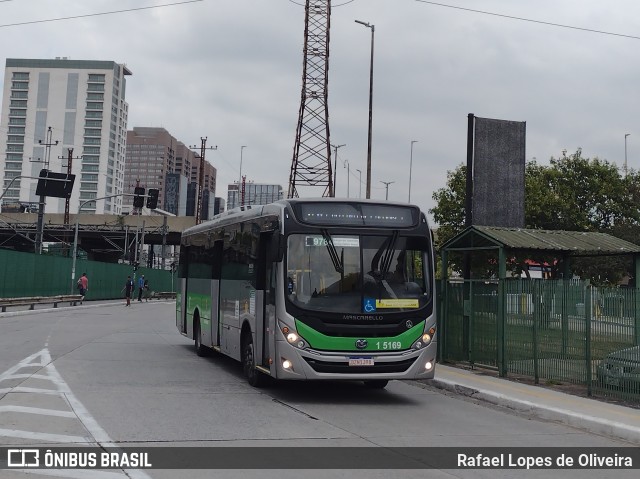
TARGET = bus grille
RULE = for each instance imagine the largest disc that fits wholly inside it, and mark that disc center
(344, 368)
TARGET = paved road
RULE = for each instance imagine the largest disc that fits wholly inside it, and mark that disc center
(111, 375)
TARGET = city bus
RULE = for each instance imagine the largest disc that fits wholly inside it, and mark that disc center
(313, 289)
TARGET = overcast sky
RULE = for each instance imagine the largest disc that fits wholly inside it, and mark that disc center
(231, 70)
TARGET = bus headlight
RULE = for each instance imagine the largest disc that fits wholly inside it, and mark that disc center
(292, 337)
(424, 340)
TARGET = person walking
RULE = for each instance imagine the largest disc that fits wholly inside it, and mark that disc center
(140, 287)
(83, 286)
(128, 288)
(146, 290)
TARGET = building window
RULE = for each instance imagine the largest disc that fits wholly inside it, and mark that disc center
(12, 193)
(88, 132)
(22, 113)
(93, 124)
(89, 177)
(95, 96)
(89, 186)
(93, 114)
(15, 148)
(96, 77)
(94, 105)
(90, 168)
(95, 87)
(19, 94)
(91, 150)
(16, 130)
(90, 158)
(17, 121)
(12, 166)
(20, 76)
(92, 141)
(17, 85)
(15, 139)
(18, 103)
(88, 195)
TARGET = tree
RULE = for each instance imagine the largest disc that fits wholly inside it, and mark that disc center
(571, 193)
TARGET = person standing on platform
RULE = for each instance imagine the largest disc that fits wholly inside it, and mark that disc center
(83, 286)
(128, 288)
(140, 287)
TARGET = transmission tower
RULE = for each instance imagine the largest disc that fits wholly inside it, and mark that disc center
(311, 165)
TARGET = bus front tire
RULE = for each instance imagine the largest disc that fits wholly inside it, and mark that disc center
(376, 383)
(254, 377)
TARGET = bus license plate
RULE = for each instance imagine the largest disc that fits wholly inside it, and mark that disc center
(361, 362)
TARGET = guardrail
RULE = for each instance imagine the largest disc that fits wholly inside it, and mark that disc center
(73, 299)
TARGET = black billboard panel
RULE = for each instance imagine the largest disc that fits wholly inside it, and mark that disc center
(58, 185)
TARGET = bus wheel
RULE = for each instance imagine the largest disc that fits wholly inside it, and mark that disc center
(254, 377)
(376, 383)
(200, 349)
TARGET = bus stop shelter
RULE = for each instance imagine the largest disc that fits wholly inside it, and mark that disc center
(505, 244)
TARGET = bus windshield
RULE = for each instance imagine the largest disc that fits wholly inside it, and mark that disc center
(357, 273)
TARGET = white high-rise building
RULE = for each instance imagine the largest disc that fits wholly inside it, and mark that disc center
(83, 102)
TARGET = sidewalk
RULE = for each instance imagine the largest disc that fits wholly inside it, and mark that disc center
(589, 414)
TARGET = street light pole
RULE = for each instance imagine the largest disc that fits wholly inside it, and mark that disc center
(625, 153)
(387, 183)
(360, 183)
(346, 165)
(373, 29)
(410, 168)
(335, 166)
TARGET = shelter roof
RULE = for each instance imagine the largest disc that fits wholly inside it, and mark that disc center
(574, 243)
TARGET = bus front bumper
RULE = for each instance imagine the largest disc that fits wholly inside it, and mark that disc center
(294, 363)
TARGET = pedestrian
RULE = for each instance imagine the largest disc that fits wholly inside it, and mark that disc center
(140, 287)
(128, 287)
(83, 286)
(146, 289)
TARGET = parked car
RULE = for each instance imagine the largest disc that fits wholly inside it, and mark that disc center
(621, 369)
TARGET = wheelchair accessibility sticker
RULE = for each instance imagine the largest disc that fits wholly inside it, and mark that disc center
(369, 305)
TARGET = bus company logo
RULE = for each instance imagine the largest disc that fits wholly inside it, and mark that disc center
(362, 317)
(361, 343)
(409, 324)
(23, 458)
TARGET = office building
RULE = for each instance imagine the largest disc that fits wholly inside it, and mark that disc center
(254, 194)
(156, 159)
(83, 104)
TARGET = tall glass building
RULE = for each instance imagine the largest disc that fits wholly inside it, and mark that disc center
(254, 194)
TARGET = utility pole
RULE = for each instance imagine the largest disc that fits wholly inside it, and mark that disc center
(70, 159)
(39, 233)
(200, 191)
(164, 240)
(387, 183)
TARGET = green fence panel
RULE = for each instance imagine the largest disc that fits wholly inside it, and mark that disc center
(28, 274)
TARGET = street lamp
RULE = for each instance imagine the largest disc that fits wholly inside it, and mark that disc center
(335, 166)
(410, 167)
(625, 153)
(346, 165)
(240, 178)
(373, 29)
(360, 183)
(387, 183)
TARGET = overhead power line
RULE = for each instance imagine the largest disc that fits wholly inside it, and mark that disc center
(98, 14)
(522, 19)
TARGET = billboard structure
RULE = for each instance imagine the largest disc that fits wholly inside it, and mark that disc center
(495, 172)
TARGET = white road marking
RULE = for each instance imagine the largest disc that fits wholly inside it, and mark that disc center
(97, 435)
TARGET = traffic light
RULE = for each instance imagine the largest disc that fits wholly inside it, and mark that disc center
(152, 199)
(138, 199)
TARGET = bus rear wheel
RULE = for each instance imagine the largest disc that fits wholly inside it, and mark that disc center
(200, 349)
(376, 383)
(254, 377)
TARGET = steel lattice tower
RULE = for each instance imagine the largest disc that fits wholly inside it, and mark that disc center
(311, 165)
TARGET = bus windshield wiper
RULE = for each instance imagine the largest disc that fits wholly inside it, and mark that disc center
(333, 253)
(387, 256)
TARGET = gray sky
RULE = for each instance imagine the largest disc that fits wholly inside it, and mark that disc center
(231, 70)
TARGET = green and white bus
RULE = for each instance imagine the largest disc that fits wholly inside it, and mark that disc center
(313, 289)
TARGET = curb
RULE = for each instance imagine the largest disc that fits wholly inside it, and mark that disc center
(571, 418)
(25, 312)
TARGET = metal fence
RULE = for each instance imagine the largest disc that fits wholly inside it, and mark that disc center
(553, 331)
(29, 274)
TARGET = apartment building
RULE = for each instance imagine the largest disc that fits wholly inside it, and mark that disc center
(82, 103)
(254, 194)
